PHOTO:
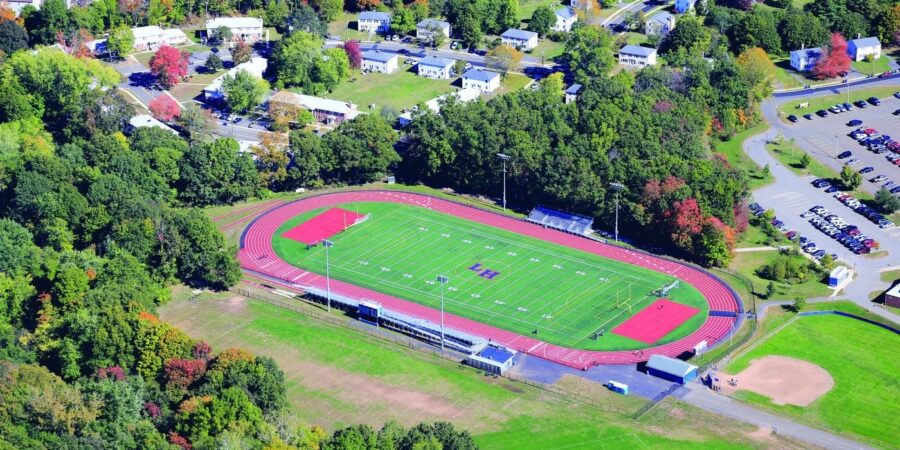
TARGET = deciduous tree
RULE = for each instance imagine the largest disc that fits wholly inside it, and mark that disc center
(834, 60)
(502, 59)
(120, 41)
(243, 91)
(164, 108)
(240, 52)
(542, 19)
(354, 54)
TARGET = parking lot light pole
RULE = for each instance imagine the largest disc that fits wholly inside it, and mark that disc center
(442, 280)
(328, 244)
(505, 158)
(617, 187)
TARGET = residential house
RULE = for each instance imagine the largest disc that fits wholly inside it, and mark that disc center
(860, 49)
(805, 59)
(636, 56)
(572, 93)
(435, 67)
(247, 29)
(378, 61)
(327, 111)
(153, 37)
(565, 19)
(520, 39)
(660, 24)
(147, 121)
(374, 22)
(481, 80)
(435, 104)
(428, 27)
(684, 6)
(256, 67)
(18, 5)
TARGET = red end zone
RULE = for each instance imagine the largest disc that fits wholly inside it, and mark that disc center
(655, 321)
(323, 226)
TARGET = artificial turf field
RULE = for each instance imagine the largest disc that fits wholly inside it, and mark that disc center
(565, 294)
(862, 359)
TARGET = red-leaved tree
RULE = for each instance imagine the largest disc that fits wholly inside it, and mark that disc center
(181, 373)
(164, 108)
(354, 54)
(169, 65)
(834, 61)
(685, 221)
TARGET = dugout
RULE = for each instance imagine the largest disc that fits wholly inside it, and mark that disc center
(671, 369)
(492, 359)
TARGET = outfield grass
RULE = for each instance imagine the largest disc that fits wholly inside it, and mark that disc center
(746, 263)
(336, 376)
(827, 101)
(733, 151)
(863, 362)
(399, 90)
(875, 67)
(565, 294)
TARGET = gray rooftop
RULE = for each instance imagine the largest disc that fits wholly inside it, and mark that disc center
(813, 52)
(440, 24)
(637, 50)
(670, 365)
(573, 89)
(866, 42)
(435, 61)
(374, 15)
(565, 13)
(375, 55)
(521, 35)
(480, 75)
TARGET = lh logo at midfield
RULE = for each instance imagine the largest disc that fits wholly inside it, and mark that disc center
(484, 272)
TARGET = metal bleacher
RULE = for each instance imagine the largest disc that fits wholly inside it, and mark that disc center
(568, 222)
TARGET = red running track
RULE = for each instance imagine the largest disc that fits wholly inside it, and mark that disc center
(257, 255)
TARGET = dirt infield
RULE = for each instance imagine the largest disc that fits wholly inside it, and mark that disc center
(783, 379)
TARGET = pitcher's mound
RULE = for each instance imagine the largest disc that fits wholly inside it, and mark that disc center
(784, 380)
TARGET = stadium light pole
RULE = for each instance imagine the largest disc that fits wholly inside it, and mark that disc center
(328, 244)
(504, 157)
(442, 280)
(617, 187)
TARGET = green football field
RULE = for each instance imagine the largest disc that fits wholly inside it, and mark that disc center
(565, 294)
(862, 359)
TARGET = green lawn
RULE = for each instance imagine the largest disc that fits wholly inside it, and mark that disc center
(875, 67)
(337, 376)
(860, 357)
(825, 102)
(746, 264)
(548, 49)
(511, 83)
(527, 7)
(345, 27)
(733, 151)
(401, 89)
(635, 38)
(785, 75)
(187, 90)
(565, 294)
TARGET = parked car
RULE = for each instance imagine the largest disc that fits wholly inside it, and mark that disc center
(866, 169)
(831, 189)
(896, 112)
(808, 116)
(845, 154)
(854, 123)
(874, 101)
(860, 104)
(848, 107)
(822, 113)
(792, 118)
(878, 179)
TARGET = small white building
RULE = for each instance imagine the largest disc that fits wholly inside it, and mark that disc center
(18, 5)
(328, 111)
(247, 29)
(435, 104)
(481, 80)
(147, 121)
(805, 59)
(435, 67)
(859, 49)
(378, 61)
(838, 276)
(684, 6)
(636, 56)
(256, 67)
(520, 39)
(428, 27)
(660, 24)
(374, 22)
(565, 19)
(572, 93)
(153, 37)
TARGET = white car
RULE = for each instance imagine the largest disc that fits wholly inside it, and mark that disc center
(852, 162)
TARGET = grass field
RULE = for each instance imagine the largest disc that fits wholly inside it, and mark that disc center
(862, 360)
(733, 151)
(789, 155)
(337, 376)
(875, 67)
(565, 294)
(399, 90)
(825, 102)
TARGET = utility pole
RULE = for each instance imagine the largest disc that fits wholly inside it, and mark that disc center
(442, 280)
(504, 157)
(328, 244)
(617, 187)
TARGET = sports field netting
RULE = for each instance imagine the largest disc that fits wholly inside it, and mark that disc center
(497, 277)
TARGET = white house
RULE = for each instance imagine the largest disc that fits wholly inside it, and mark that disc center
(428, 27)
(154, 37)
(520, 39)
(572, 93)
(247, 29)
(683, 6)
(805, 59)
(435, 104)
(636, 56)
(327, 111)
(565, 19)
(481, 80)
(256, 67)
(374, 22)
(377, 61)
(859, 49)
(146, 121)
(660, 24)
(435, 67)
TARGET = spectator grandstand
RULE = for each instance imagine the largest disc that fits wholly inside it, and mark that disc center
(568, 222)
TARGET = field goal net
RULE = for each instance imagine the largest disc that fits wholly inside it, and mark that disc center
(664, 291)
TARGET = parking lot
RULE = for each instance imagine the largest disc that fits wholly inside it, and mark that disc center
(826, 138)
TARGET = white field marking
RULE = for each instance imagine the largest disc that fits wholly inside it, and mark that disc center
(445, 235)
